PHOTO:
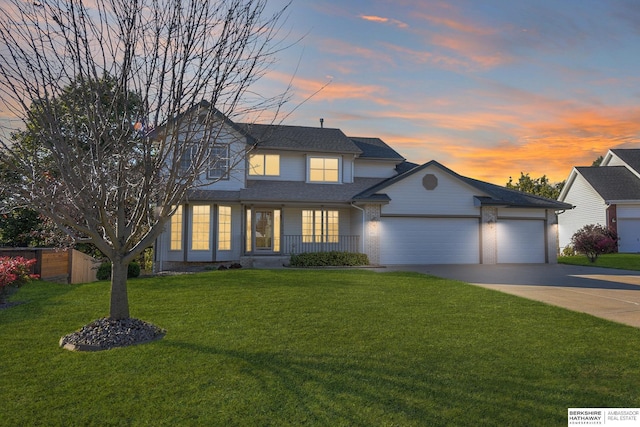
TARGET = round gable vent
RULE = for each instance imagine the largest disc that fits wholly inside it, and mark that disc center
(430, 181)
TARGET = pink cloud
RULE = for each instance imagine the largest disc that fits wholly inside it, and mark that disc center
(383, 20)
(326, 90)
(351, 50)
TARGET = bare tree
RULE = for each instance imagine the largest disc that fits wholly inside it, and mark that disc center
(102, 88)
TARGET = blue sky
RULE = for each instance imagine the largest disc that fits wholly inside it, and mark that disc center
(489, 89)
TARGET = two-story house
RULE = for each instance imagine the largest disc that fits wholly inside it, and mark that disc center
(308, 189)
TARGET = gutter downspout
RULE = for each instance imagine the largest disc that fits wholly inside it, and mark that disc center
(363, 226)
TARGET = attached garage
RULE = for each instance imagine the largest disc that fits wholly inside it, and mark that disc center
(521, 241)
(410, 240)
(432, 215)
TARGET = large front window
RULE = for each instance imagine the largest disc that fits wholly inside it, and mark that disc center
(324, 169)
(320, 226)
(200, 221)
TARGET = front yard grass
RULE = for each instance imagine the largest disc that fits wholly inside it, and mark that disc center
(328, 348)
(620, 261)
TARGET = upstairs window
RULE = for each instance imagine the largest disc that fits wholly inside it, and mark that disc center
(264, 165)
(324, 169)
(188, 157)
(217, 161)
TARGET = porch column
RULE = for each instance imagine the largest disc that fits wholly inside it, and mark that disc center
(372, 233)
(489, 235)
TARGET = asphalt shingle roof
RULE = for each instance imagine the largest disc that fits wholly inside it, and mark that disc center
(498, 195)
(613, 182)
(300, 138)
(375, 148)
(630, 156)
(289, 192)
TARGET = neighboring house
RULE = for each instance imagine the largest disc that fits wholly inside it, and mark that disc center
(608, 195)
(306, 189)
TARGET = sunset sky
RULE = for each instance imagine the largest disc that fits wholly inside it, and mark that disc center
(489, 88)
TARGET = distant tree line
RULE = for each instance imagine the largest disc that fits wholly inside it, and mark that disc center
(538, 186)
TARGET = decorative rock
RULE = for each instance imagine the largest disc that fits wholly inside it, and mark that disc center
(105, 333)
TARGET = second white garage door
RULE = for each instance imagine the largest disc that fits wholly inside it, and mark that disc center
(629, 232)
(521, 241)
(429, 240)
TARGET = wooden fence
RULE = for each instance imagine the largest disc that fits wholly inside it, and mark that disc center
(66, 266)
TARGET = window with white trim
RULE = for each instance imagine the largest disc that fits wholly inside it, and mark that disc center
(224, 228)
(176, 230)
(264, 164)
(200, 224)
(186, 161)
(217, 162)
(324, 169)
(320, 226)
(248, 231)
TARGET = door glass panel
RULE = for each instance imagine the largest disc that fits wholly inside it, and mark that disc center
(264, 230)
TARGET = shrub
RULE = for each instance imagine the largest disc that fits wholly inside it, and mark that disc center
(568, 251)
(104, 271)
(326, 259)
(133, 270)
(14, 272)
(593, 240)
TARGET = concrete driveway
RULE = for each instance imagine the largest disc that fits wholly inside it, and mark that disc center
(603, 292)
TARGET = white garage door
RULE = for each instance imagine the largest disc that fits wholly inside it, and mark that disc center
(429, 241)
(521, 241)
(629, 232)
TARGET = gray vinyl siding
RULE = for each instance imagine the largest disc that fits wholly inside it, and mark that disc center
(451, 197)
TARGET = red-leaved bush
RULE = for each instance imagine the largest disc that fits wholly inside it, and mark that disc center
(14, 272)
(593, 240)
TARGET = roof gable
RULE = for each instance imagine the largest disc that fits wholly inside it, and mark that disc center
(193, 115)
(487, 193)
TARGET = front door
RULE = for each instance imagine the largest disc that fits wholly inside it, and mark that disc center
(264, 230)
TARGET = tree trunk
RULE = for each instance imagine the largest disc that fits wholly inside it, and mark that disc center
(119, 308)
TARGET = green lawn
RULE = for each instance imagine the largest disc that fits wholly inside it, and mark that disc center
(621, 261)
(305, 347)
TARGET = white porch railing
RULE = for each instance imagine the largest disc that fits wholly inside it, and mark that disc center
(298, 244)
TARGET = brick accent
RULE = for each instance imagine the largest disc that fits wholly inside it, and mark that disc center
(489, 236)
(372, 233)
